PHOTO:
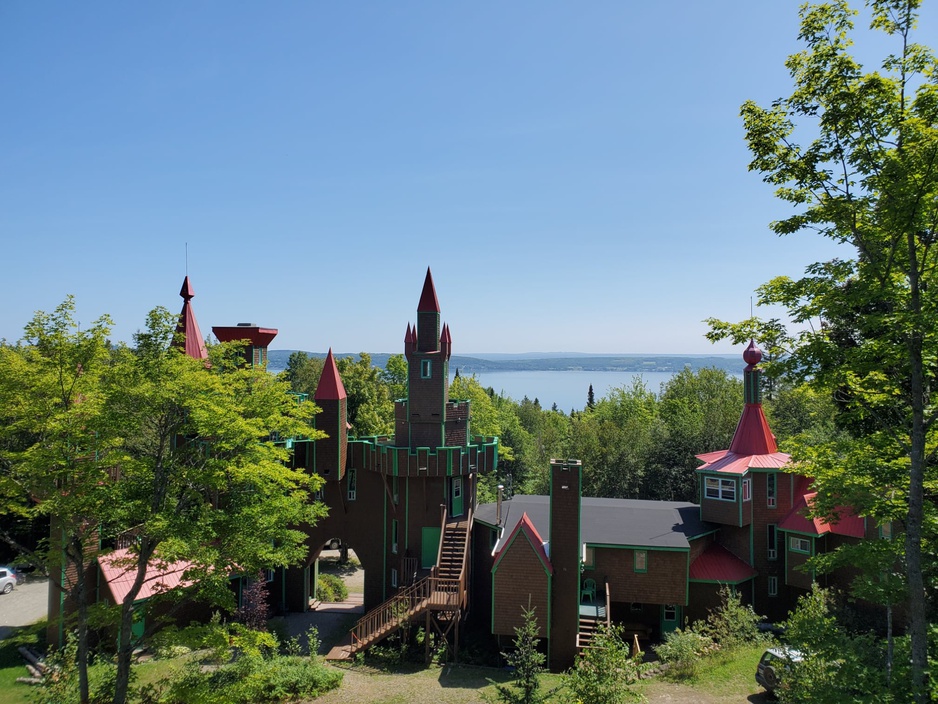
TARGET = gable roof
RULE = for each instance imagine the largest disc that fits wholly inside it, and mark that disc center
(717, 564)
(526, 528)
(119, 570)
(649, 524)
(797, 520)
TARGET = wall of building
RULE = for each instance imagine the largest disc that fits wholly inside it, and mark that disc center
(663, 583)
(519, 582)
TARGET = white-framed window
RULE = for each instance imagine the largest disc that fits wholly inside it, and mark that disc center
(771, 540)
(426, 367)
(394, 529)
(641, 560)
(770, 489)
(393, 577)
(799, 544)
(747, 489)
(885, 530)
(352, 483)
(670, 613)
(720, 489)
(773, 586)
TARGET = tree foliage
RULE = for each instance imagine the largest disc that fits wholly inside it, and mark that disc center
(528, 663)
(181, 459)
(855, 152)
(606, 671)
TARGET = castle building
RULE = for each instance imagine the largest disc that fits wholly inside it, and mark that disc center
(406, 505)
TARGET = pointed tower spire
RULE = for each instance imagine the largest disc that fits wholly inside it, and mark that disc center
(188, 337)
(753, 435)
(330, 386)
(428, 302)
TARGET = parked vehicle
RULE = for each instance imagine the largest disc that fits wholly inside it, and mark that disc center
(332, 544)
(773, 664)
(8, 579)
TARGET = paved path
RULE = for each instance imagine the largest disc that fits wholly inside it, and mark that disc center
(26, 604)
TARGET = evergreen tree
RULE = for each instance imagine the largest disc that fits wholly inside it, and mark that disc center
(528, 663)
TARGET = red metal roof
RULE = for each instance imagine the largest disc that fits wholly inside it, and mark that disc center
(330, 386)
(717, 564)
(728, 462)
(753, 435)
(428, 302)
(256, 336)
(192, 343)
(526, 527)
(797, 520)
(119, 569)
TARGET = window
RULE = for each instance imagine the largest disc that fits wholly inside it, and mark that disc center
(589, 557)
(885, 531)
(800, 545)
(747, 489)
(670, 612)
(393, 577)
(720, 489)
(425, 368)
(770, 480)
(268, 576)
(641, 560)
(395, 490)
(352, 493)
(771, 539)
(394, 536)
(773, 586)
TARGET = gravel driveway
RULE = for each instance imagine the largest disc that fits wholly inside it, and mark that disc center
(26, 604)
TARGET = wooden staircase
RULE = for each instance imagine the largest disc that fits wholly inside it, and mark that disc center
(444, 591)
(589, 623)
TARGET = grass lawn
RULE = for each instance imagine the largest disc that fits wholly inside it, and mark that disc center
(723, 679)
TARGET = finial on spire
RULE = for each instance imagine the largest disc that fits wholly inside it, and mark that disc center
(186, 290)
(752, 355)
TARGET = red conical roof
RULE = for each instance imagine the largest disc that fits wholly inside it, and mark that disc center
(753, 435)
(330, 386)
(428, 302)
(192, 343)
(409, 336)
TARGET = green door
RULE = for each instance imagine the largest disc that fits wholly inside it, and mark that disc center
(429, 546)
(456, 503)
(670, 618)
(138, 627)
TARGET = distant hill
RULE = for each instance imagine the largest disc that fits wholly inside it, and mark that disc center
(562, 362)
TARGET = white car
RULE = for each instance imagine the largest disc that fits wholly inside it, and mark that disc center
(8, 579)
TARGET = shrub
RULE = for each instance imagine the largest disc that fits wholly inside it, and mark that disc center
(528, 664)
(682, 651)
(331, 588)
(606, 671)
(732, 623)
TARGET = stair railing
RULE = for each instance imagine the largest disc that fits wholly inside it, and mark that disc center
(392, 613)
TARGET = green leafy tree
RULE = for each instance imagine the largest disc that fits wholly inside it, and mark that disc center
(57, 452)
(147, 442)
(303, 372)
(864, 173)
(370, 406)
(606, 672)
(395, 376)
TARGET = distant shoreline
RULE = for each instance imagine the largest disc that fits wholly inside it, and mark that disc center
(563, 362)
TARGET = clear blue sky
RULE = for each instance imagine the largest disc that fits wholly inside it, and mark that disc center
(574, 173)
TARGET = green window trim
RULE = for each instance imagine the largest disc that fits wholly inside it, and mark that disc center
(720, 489)
(426, 368)
(799, 545)
(640, 560)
